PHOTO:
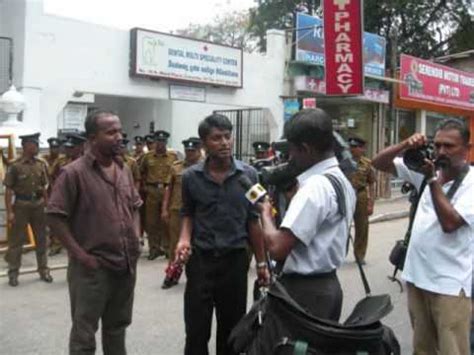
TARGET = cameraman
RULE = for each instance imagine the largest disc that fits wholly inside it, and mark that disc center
(438, 265)
(311, 240)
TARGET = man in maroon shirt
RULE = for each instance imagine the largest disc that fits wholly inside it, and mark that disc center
(93, 209)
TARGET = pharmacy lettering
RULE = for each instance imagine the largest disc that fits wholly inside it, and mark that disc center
(164, 56)
(343, 47)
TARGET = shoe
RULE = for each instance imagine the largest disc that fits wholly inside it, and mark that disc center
(153, 255)
(46, 277)
(168, 283)
(55, 251)
(13, 280)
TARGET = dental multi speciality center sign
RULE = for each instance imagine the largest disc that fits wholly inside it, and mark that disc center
(163, 56)
(343, 47)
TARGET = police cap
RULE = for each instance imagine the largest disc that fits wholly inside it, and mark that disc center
(192, 143)
(34, 138)
(139, 140)
(54, 142)
(149, 138)
(74, 139)
(260, 146)
(161, 135)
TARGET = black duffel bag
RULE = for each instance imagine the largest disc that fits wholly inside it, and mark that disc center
(277, 324)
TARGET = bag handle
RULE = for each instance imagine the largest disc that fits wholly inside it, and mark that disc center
(342, 209)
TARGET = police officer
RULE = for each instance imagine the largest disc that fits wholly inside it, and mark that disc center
(25, 183)
(138, 152)
(131, 163)
(172, 205)
(54, 153)
(73, 148)
(261, 150)
(155, 169)
(150, 142)
(363, 181)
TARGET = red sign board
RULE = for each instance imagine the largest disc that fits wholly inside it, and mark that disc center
(343, 47)
(309, 102)
(434, 83)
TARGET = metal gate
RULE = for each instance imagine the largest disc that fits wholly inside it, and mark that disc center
(250, 125)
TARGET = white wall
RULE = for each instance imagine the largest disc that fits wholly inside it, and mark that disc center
(62, 56)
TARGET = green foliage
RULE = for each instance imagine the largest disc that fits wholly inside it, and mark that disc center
(423, 28)
(230, 29)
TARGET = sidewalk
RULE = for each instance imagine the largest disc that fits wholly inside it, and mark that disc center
(391, 208)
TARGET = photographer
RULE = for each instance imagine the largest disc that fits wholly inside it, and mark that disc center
(438, 265)
(311, 240)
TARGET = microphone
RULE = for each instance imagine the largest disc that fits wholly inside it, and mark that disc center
(255, 192)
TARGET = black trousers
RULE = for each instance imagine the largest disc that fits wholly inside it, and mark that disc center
(320, 294)
(218, 282)
(99, 295)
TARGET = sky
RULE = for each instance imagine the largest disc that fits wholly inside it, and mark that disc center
(160, 15)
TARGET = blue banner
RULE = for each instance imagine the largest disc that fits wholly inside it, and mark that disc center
(310, 45)
(291, 106)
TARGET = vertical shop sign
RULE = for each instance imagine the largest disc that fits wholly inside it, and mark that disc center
(343, 47)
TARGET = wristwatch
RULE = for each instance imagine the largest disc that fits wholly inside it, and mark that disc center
(261, 265)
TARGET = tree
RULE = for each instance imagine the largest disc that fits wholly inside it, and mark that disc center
(424, 28)
(231, 29)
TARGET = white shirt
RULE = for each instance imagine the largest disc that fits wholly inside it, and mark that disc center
(313, 218)
(437, 261)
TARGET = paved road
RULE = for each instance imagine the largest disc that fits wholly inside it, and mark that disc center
(35, 319)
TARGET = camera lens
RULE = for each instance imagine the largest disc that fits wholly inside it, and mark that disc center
(414, 159)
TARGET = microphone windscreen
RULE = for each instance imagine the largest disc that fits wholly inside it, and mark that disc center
(245, 182)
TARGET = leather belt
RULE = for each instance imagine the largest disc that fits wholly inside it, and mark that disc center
(156, 184)
(33, 197)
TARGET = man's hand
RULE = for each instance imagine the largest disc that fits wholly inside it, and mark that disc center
(165, 216)
(265, 206)
(11, 218)
(415, 141)
(183, 251)
(88, 260)
(263, 276)
(428, 169)
(370, 207)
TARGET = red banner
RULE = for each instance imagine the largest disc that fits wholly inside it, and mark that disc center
(430, 82)
(343, 47)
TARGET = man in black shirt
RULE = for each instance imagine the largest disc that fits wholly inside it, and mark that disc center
(218, 223)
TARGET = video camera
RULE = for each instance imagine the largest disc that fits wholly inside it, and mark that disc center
(414, 158)
(283, 175)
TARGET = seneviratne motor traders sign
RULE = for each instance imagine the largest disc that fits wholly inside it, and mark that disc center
(164, 56)
(435, 83)
(309, 46)
(343, 47)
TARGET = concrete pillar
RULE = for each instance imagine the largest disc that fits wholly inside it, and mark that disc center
(421, 121)
(277, 52)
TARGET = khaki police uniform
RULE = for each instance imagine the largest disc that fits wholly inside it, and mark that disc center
(156, 173)
(28, 180)
(55, 245)
(133, 166)
(361, 179)
(51, 161)
(175, 205)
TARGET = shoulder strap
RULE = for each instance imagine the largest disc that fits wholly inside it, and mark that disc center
(341, 207)
(457, 182)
